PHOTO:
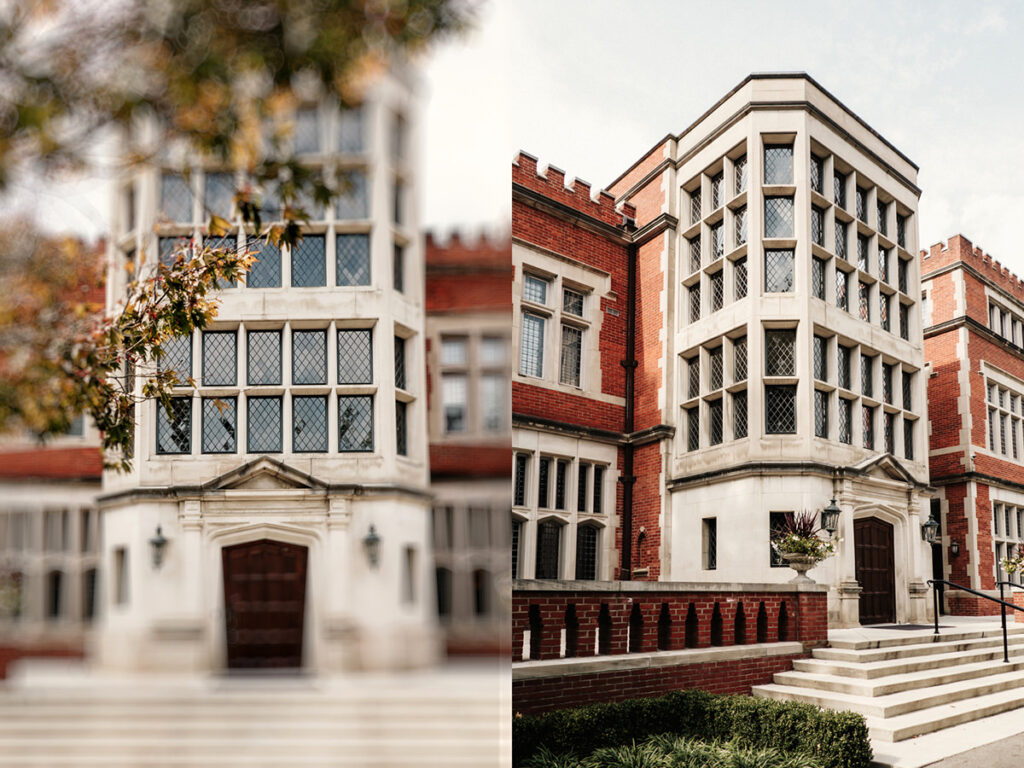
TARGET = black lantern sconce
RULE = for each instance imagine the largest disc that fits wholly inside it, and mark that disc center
(158, 543)
(930, 531)
(371, 542)
(954, 548)
(830, 518)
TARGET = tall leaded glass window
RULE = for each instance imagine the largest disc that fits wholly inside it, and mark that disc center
(586, 553)
(219, 421)
(717, 291)
(740, 173)
(740, 276)
(309, 357)
(174, 426)
(908, 439)
(176, 355)
(843, 366)
(864, 301)
(543, 481)
(263, 358)
(693, 428)
(561, 482)
(355, 423)
(841, 238)
(581, 487)
(715, 377)
(867, 375)
(862, 204)
(695, 206)
(309, 262)
(904, 321)
(572, 354)
(453, 400)
(218, 194)
(890, 433)
(778, 271)
(309, 424)
(907, 390)
(839, 189)
(778, 217)
(717, 242)
(778, 164)
(519, 488)
(901, 230)
(845, 421)
(739, 414)
(883, 264)
(817, 226)
(352, 259)
(307, 131)
(572, 302)
(694, 253)
(820, 413)
(887, 382)
(598, 508)
(817, 174)
(263, 424)
(175, 198)
(693, 376)
(740, 222)
(352, 201)
(549, 535)
(780, 353)
(884, 304)
(355, 356)
(715, 421)
(350, 130)
(817, 277)
(739, 349)
(401, 428)
(902, 272)
(531, 351)
(842, 289)
(219, 359)
(883, 219)
(400, 362)
(695, 302)
(821, 358)
(398, 268)
(868, 414)
(167, 247)
(716, 191)
(266, 270)
(780, 409)
(862, 252)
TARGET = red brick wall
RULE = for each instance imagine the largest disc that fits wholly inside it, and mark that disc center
(647, 500)
(737, 676)
(642, 167)
(10, 654)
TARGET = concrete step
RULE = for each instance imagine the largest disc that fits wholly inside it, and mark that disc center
(929, 720)
(890, 684)
(875, 669)
(895, 704)
(904, 637)
(916, 649)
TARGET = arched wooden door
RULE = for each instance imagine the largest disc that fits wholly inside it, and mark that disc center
(264, 604)
(876, 570)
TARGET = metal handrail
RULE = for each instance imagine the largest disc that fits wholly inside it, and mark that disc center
(1001, 600)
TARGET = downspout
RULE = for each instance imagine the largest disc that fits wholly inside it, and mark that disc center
(628, 479)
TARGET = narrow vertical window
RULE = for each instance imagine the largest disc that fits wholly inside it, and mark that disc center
(709, 543)
(868, 414)
(715, 422)
(739, 348)
(778, 164)
(355, 423)
(908, 439)
(740, 173)
(400, 363)
(716, 191)
(598, 508)
(817, 226)
(817, 174)
(549, 536)
(778, 271)
(398, 268)
(740, 275)
(519, 489)
(401, 428)
(695, 302)
(817, 277)
(820, 358)
(841, 238)
(839, 189)
(532, 347)
(717, 291)
(586, 552)
(543, 478)
(561, 481)
(693, 428)
(820, 413)
(572, 353)
(739, 415)
(842, 289)
(845, 421)
(740, 223)
(581, 487)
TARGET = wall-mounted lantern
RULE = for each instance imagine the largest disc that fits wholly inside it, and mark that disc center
(830, 518)
(954, 548)
(371, 542)
(158, 543)
(930, 531)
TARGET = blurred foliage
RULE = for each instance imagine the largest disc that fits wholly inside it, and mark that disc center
(221, 77)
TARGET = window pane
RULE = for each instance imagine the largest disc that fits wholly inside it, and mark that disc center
(695, 302)
(572, 350)
(492, 351)
(739, 415)
(586, 553)
(174, 428)
(219, 359)
(778, 164)
(264, 357)
(219, 419)
(780, 409)
(817, 226)
(307, 131)
(820, 413)
(352, 259)
(717, 291)
(264, 424)
(598, 507)
(740, 174)
(780, 353)
(820, 358)
(817, 278)
(868, 417)
(400, 362)
(355, 422)
(741, 226)
(715, 421)
(817, 174)
(519, 489)
(167, 248)
(352, 201)
(548, 543)
(535, 289)
(219, 193)
(693, 428)
(401, 413)
(715, 365)
(842, 289)
(453, 397)
(309, 262)
(778, 271)
(695, 253)
(453, 351)
(716, 191)
(572, 302)
(839, 189)
(398, 268)
(740, 359)
(695, 206)
(841, 239)
(355, 357)
(693, 376)
(845, 421)
(492, 401)
(309, 424)
(778, 217)
(177, 357)
(863, 295)
(350, 130)
(908, 439)
(867, 375)
(266, 270)
(581, 487)
(532, 349)
(717, 241)
(175, 197)
(309, 357)
(741, 278)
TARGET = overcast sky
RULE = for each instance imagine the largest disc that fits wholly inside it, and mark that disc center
(597, 82)
(590, 85)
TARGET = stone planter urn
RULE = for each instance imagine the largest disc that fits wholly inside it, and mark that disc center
(801, 564)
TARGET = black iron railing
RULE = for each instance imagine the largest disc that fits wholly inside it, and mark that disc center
(1001, 600)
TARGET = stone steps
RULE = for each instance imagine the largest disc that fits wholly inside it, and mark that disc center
(910, 685)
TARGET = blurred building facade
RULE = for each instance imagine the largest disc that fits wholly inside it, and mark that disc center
(468, 344)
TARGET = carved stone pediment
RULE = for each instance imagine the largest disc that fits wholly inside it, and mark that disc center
(264, 474)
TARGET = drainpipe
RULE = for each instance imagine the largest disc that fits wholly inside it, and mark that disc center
(629, 364)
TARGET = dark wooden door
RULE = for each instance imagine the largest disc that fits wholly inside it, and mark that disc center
(876, 570)
(264, 604)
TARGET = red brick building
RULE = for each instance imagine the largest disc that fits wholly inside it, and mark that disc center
(974, 341)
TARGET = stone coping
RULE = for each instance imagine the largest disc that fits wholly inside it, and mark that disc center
(534, 670)
(558, 585)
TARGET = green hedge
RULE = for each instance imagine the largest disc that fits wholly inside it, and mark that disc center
(837, 739)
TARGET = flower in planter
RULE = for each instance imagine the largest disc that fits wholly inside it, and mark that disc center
(1015, 562)
(800, 535)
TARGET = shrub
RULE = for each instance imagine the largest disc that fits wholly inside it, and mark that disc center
(833, 739)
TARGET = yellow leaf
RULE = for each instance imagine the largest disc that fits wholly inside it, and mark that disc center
(218, 227)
